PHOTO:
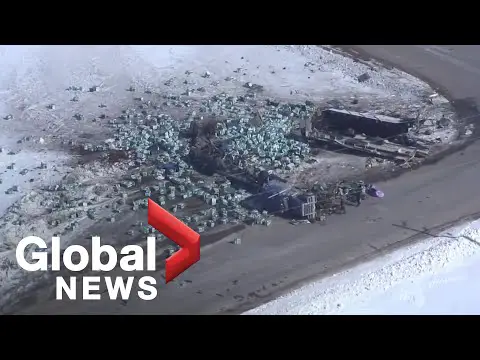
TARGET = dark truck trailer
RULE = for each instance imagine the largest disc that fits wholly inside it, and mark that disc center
(364, 123)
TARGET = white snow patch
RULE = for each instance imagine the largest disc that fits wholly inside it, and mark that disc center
(438, 276)
(35, 76)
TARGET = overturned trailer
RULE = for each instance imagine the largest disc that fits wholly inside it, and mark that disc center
(365, 123)
(279, 198)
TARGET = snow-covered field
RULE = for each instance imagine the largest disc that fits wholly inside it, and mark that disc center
(38, 108)
(35, 77)
(439, 276)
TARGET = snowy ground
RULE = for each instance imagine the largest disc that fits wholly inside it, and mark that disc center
(34, 78)
(438, 276)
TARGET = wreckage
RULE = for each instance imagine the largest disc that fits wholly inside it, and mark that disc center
(245, 153)
(213, 154)
(371, 125)
(370, 134)
(270, 193)
(224, 162)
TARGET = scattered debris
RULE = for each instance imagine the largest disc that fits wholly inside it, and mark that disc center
(364, 77)
(75, 88)
(253, 87)
(373, 162)
(298, 222)
(231, 166)
(443, 123)
(12, 190)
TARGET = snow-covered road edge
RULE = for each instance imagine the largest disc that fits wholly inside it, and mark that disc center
(364, 282)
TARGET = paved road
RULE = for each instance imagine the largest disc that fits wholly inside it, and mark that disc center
(232, 278)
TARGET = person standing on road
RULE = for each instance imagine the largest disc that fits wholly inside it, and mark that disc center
(342, 195)
(360, 194)
(358, 197)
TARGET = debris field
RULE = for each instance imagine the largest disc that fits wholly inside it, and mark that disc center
(218, 160)
(155, 153)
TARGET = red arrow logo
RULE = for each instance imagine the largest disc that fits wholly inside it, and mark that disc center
(178, 232)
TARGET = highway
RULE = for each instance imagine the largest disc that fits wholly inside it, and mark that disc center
(230, 279)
